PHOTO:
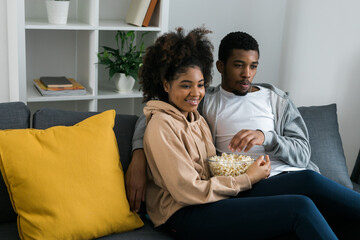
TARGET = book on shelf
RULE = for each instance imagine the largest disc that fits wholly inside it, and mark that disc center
(76, 89)
(149, 13)
(53, 82)
(137, 11)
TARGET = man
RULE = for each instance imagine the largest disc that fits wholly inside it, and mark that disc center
(246, 118)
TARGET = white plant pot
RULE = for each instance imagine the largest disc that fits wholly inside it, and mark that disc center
(57, 11)
(123, 83)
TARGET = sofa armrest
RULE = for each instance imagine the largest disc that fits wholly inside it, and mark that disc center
(355, 175)
(356, 187)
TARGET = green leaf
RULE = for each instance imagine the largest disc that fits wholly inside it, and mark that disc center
(111, 73)
(109, 49)
(126, 58)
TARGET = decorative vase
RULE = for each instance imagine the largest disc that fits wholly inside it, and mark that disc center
(57, 11)
(123, 83)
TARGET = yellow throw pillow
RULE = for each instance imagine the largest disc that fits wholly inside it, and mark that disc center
(67, 182)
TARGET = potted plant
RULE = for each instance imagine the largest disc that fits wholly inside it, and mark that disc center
(57, 11)
(124, 61)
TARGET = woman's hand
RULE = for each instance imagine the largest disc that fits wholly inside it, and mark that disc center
(135, 180)
(260, 169)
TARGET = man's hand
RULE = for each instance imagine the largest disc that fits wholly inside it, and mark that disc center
(135, 180)
(246, 139)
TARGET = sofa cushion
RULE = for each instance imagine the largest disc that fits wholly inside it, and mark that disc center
(325, 141)
(9, 231)
(67, 182)
(13, 115)
(148, 232)
(124, 127)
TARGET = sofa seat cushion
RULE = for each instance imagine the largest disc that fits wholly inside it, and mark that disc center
(9, 231)
(13, 115)
(67, 182)
(148, 232)
(325, 141)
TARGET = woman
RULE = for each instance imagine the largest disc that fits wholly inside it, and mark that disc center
(181, 194)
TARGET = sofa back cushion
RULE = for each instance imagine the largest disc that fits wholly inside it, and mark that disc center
(13, 115)
(124, 127)
(325, 141)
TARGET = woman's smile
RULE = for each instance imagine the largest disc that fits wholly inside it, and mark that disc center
(186, 91)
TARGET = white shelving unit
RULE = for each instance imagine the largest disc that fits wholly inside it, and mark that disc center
(37, 48)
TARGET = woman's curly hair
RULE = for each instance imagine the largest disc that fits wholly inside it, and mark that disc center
(171, 55)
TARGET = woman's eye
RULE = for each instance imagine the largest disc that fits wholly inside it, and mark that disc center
(185, 86)
(253, 66)
(201, 85)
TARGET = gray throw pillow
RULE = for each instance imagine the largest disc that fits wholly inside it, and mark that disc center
(326, 145)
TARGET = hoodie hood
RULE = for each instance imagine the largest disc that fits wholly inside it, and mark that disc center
(196, 128)
(155, 106)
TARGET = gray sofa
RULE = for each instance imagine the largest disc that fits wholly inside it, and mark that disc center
(327, 153)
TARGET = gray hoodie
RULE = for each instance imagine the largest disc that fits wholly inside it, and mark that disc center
(290, 139)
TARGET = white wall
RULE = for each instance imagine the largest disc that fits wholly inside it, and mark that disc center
(4, 83)
(308, 47)
(263, 19)
(321, 61)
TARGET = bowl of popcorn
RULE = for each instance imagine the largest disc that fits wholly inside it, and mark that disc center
(229, 164)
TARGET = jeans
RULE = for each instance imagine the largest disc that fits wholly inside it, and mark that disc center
(304, 203)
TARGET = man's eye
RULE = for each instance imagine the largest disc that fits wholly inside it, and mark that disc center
(253, 66)
(238, 65)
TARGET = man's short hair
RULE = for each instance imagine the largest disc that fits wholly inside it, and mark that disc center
(236, 40)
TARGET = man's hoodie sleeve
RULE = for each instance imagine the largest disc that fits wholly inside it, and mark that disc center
(291, 144)
(137, 140)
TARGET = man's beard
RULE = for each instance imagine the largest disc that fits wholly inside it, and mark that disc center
(238, 93)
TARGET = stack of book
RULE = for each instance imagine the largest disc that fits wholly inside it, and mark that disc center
(140, 12)
(58, 86)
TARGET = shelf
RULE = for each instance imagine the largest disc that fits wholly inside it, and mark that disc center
(43, 24)
(35, 96)
(43, 49)
(107, 91)
(117, 95)
(117, 25)
(59, 98)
